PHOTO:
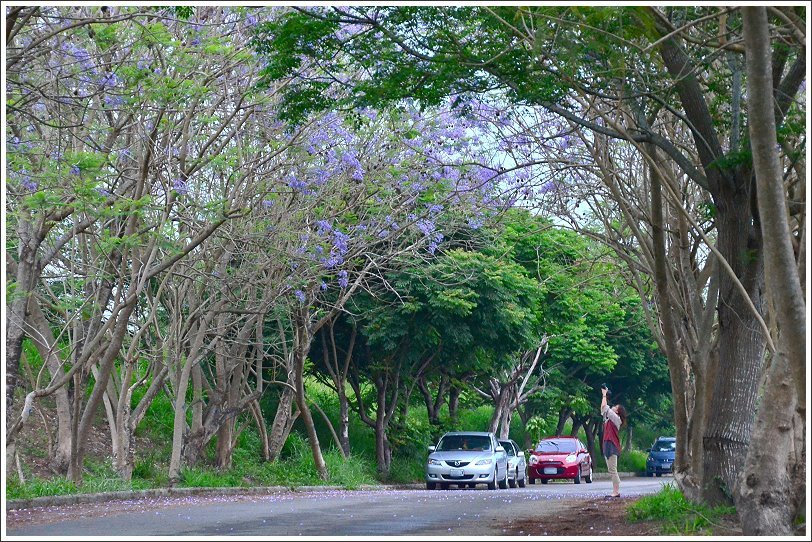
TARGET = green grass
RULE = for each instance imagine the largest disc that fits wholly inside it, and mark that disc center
(676, 514)
(631, 461)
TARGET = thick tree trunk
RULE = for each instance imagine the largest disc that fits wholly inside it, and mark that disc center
(741, 351)
(26, 277)
(771, 489)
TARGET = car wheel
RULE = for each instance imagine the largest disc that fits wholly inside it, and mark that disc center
(543, 480)
(445, 486)
(588, 477)
(513, 481)
(659, 474)
(522, 481)
(472, 486)
(649, 474)
(492, 485)
(431, 485)
(503, 483)
(577, 478)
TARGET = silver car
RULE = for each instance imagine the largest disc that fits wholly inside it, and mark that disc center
(467, 459)
(517, 464)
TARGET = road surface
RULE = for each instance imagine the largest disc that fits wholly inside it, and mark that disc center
(384, 512)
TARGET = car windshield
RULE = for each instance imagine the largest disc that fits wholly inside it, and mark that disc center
(664, 446)
(464, 442)
(508, 447)
(562, 446)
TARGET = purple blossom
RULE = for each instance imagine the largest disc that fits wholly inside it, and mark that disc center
(114, 101)
(323, 286)
(102, 192)
(251, 20)
(109, 80)
(195, 41)
(323, 227)
(267, 203)
(297, 184)
(299, 295)
(180, 186)
(75, 170)
(475, 222)
(350, 160)
(341, 241)
(548, 187)
(28, 184)
(343, 281)
(426, 226)
(434, 208)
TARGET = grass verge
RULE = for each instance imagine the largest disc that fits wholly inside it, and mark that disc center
(678, 516)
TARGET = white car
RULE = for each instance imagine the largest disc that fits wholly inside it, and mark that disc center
(467, 459)
(517, 464)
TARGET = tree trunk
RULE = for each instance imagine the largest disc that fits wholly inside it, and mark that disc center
(282, 424)
(741, 352)
(43, 339)
(563, 416)
(301, 348)
(225, 434)
(771, 490)
(454, 404)
(383, 453)
(343, 418)
(590, 426)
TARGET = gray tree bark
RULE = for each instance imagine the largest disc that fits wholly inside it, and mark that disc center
(771, 491)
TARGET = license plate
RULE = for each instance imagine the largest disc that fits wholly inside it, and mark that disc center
(550, 470)
(457, 472)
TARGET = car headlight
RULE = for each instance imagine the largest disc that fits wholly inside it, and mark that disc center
(484, 462)
(650, 460)
(571, 459)
(533, 460)
(435, 462)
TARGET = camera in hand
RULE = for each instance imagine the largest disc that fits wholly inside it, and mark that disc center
(605, 387)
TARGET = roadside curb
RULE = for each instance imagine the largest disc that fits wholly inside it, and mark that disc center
(83, 498)
(605, 475)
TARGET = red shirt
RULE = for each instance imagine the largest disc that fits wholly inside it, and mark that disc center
(610, 433)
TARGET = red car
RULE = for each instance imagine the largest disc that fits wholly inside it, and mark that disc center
(557, 458)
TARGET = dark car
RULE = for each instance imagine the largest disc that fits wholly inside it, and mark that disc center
(661, 456)
(559, 458)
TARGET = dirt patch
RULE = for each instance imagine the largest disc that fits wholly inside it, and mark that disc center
(604, 517)
(37, 437)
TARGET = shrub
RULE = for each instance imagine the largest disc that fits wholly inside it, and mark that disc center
(678, 516)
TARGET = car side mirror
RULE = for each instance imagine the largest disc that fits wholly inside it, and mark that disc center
(521, 454)
(648, 450)
(500, 448)
(582, 451)
(432, 448)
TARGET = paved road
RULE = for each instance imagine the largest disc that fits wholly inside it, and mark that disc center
(386, 512)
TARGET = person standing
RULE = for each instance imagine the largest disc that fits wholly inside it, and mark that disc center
(613, 418)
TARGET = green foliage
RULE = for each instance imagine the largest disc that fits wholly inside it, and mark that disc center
(677, 515)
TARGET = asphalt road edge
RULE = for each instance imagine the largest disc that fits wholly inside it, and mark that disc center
(82, 498)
